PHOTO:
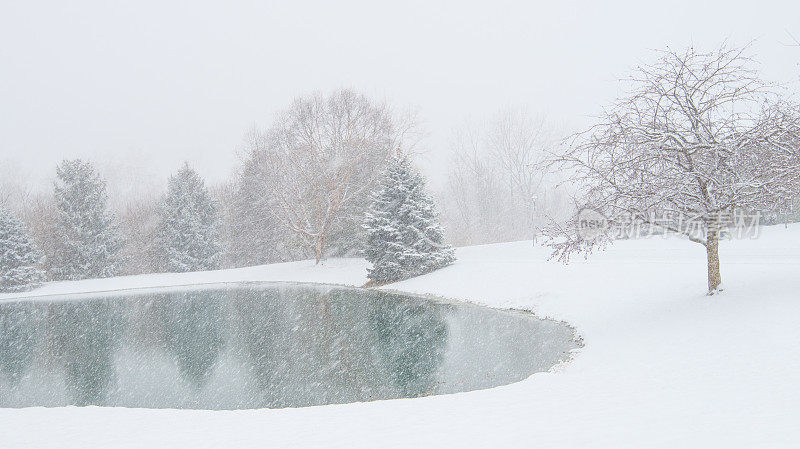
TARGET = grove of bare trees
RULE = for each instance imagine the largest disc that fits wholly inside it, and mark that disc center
(500, 187)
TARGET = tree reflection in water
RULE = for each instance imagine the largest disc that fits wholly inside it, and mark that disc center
(18, 338)
(411, 339)
(278, 345)
(195, 327)
(85, 335)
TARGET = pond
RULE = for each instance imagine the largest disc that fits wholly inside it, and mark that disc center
(240, 346)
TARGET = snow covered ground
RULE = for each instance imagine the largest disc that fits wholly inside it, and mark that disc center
(664, 365)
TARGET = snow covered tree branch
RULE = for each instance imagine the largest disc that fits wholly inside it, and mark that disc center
(404, 237)
(700, 135)
(20, 259)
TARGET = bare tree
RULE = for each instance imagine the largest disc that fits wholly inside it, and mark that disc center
(16, 190)
(251, 233)
(700, 137)
(322, 156)
(499, 177)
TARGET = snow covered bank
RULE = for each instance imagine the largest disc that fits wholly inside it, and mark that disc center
(335, 271)
(663, 366)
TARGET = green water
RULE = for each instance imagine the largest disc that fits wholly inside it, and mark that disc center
(279, 345)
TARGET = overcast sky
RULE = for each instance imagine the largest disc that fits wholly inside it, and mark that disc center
(146, 85)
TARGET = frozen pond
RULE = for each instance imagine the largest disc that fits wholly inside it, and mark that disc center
(265, 345)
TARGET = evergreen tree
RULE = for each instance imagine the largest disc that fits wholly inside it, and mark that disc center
(19, 257)
(188, 234)
(404, 238)
(89, 238)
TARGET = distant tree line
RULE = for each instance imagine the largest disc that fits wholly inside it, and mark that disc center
(697, 134)
(301, 191)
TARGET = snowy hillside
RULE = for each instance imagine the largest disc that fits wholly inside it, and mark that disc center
(663, 365)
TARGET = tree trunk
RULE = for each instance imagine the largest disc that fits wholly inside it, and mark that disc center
(712, 251)
(320, 249)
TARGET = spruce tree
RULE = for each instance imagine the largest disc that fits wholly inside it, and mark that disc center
(89, 237)
(188, 234)
(19, 257)
(403, 236)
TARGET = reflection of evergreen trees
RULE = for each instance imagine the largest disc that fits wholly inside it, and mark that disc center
(352, 367)
(308, 346)
(18, 339)
(264, 325)
(287, 346)
(411, 340)
(287, 340)
(85, 336)
(194, 331)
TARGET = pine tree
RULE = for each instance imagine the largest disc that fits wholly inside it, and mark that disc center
(19, 257)
(404, 238)
(188, 234)
(89, 237)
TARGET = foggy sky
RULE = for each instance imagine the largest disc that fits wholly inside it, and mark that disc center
(149, 84)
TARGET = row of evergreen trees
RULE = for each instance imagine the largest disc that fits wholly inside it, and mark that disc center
(403, 236)
(89, 241)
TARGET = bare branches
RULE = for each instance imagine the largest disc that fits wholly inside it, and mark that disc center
(795, 40)
(321, 158)
(699, 134)
(499, 180)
